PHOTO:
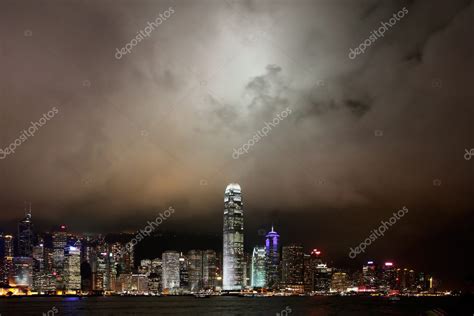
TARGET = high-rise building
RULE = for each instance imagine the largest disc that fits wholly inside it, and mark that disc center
(8, 239)
(339, 282)
(202, 269)
(59, 246)
(21, 274)
(233, 256)
(25, 236)
(369, 276)
(195, 270)
(139, 283)
(183, 272)
(155, 277)
(41, 278)
(389, 277)
(170, 262)
(7, 258)
(322, 278)
(72, 268)
(272, 248)
(293, 268)
(3, 270)
(258, 267)
(209, 268)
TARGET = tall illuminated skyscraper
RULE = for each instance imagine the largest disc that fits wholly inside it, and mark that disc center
(258, 267)
(233, 255)
(272, 248)
(72, 268)
(293, 267)
(170, 262)
(59, 245)
(7, 262)
(25, 236)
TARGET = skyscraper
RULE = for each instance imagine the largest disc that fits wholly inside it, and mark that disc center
(258, 267)
(339, 282)
(59, 245)
(72, 268)
(272, 249)
(195, 270)
(8, 239)
(233, 239)
(293, 267)
(170, 262)
(3, 272)
(21, 274)
(209, 269)
(369, 275)
(202, 269)
(389, 276)
(25, 236)
(183, 272)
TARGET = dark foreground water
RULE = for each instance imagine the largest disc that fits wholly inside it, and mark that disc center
(286, 306)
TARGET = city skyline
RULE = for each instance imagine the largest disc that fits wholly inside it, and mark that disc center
(61, 261)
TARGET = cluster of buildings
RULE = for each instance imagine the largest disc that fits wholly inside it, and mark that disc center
(61, 263)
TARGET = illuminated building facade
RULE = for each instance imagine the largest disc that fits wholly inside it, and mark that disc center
(171, 264)
(389, 277)
(25, 236)
(369, 276)
(6, 257)
(59, 246)
(233, 256)
(195, 270)
(322, 278)
(258, 268)
(202, 269)
(72, 268)
(183, 272)
(21, 274)
(339, 282)
(272, 249)
(209, 268)
(293, 268)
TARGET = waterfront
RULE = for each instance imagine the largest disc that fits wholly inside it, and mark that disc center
(181, 305)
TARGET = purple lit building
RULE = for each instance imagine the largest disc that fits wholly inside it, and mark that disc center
(272, 250)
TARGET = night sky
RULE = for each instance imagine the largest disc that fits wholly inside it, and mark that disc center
(157, 127)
